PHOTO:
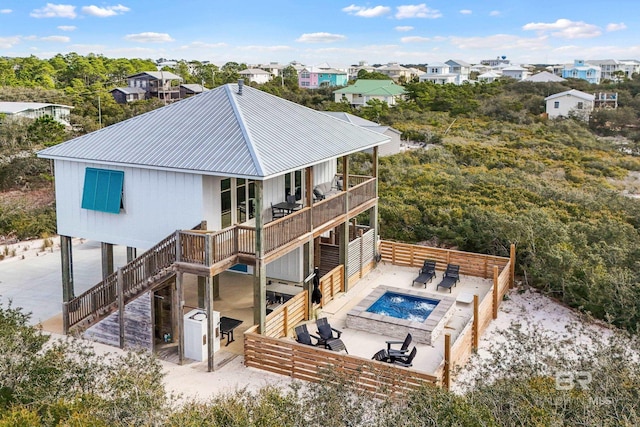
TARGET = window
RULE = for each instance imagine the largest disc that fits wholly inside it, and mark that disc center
(102, 190)
(580, 105)
(556, 104)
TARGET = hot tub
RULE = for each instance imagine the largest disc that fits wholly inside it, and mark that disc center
(394, 312)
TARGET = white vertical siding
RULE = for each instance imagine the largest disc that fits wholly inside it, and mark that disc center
(287, 267)
(324, 172)
(156, 203)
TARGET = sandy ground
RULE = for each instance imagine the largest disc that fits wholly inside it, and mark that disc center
(192, 380)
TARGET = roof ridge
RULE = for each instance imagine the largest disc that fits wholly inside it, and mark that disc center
(247, 135)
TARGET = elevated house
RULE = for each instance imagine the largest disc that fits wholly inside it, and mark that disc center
(224, 161)
(461, 68)
(570, 103)
(439, 73)
(256, 75)
(34, 110)
(362, 91)
(321, 76)
(583, 71)
(163, 85)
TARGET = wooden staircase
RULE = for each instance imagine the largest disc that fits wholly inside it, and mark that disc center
(150, 269)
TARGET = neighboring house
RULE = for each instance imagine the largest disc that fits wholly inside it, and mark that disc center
(392, 147)
(321, 76)
(362, 91)
(500, 60)
(396, 71)
(33, 110)
(190, 89)
(489, 76)
(614, 69)
(439, 73)
(461, 68)
(156, 84)
(273, 67)
(256, 75)
(221, 159)
(544, 77)
(570, 103)
(583, 71)
(515, 72)
(355, 69)
(122, 95)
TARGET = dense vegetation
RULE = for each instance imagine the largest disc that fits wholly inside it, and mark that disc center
(65, 383)
(493, 171)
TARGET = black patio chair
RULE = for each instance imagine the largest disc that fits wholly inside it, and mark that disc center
(404, 348)
(426, 273)
(406, 361)
(327, 337)
(304, 337)
(382, 356)
(450, 277)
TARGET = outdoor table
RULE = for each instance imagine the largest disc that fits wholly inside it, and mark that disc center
(288, 207)
(227, 325)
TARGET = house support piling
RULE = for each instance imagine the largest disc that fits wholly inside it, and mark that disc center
(107, 259)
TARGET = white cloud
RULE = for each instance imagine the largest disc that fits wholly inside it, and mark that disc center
(415, 39)
(466, 12)
(364, 12)
(9, 42)
(55, 11)
(320, 38)
(67, 27)
(495, 13)
(566, 29)
(104, 12)
(616, 27)
(404, 28)
(202, 45)
(5, 11)
(56, 39)
(417, 11)
(149, 37)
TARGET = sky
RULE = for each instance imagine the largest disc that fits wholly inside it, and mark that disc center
(339, 33)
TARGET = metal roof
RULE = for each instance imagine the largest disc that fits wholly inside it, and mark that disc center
(8, 107)
(572, 92)
(373, 87)
(129, 90)
(221, 132)
(157, 75)
(359, 121)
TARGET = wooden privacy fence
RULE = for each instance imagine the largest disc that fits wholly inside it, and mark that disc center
(310, 363)
(331, 284)
(285, 317)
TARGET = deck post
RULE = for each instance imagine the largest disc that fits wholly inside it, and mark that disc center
(309, 248)
(180, 310)
(120, 284)
(66, 255)
(260, 273)
(209, 307)
(344, 235)
(107, 259)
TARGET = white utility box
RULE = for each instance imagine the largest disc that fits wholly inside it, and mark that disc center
(195, 334)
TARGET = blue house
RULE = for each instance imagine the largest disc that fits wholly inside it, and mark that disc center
(581, 70)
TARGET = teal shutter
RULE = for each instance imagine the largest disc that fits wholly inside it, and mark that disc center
(102, 190)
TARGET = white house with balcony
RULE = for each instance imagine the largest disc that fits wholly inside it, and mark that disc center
(439, 73)
(256, 75)
(571, 103)
(34, 110)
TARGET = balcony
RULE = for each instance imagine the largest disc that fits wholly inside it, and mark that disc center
(213, 251)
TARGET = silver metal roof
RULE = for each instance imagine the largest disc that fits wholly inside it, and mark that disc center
(9, 107)
(220, 132)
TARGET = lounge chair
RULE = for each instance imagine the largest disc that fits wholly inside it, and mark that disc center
(304, 337)
(450, 277)
(327, 338)
(426, 273)
(382, 356)
(407, 360)
(404, 348)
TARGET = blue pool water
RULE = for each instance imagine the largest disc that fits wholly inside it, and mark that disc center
(403, 306)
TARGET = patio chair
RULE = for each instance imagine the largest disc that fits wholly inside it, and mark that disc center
(426, 273)
(277, 212)
(327, 338)
(404, 348)
(406, 361)
(304, 337)
(382, 356)
(450, 277)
